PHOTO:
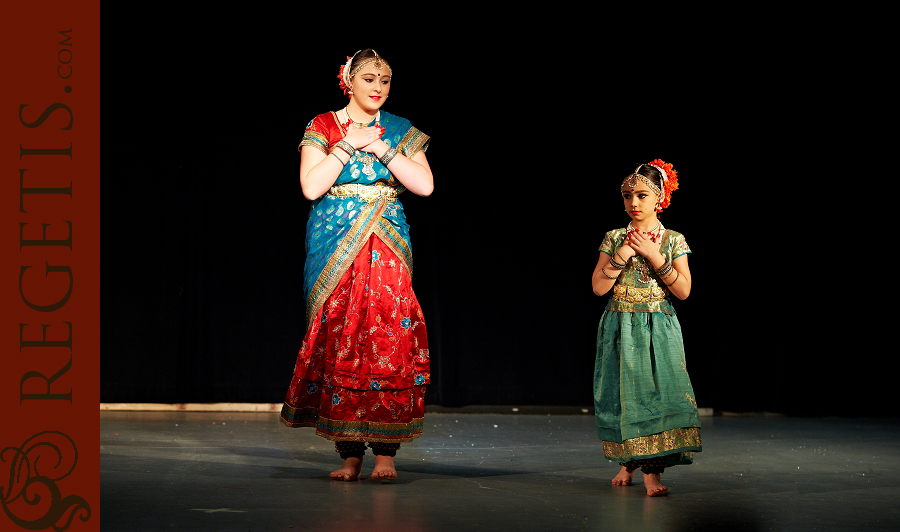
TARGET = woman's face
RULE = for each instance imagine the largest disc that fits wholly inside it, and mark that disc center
(640, 201)
(371, 87)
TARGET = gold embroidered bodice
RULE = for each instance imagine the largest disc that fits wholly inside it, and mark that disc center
(638, 288)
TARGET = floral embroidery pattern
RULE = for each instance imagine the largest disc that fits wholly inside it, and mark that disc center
(365, 363)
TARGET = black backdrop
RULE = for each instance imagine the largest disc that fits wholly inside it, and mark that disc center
(203, 217)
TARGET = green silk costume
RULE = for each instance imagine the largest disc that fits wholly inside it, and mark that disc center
(643, 399)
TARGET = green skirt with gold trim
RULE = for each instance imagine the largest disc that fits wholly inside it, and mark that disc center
(643, 399)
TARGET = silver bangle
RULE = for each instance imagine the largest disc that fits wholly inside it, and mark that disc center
(388, 156)
(665, 270)
(617, 265)
(346, 146)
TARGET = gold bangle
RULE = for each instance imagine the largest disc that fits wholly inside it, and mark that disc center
(677, 273)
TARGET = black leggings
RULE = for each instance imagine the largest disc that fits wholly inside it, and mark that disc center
(349, 449)
(648, 466)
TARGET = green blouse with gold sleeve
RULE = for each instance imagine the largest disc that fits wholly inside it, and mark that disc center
(638, 288)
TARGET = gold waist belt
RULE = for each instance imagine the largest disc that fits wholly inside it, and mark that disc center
(634, 294)
(364, 192)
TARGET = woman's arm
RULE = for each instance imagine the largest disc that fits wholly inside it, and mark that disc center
(415, 174)
(319, 171)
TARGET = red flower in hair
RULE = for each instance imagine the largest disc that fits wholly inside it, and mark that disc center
(670, 184)
(343, 85)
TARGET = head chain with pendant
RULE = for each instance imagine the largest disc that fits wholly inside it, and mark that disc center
(346, 75)
(632, 179)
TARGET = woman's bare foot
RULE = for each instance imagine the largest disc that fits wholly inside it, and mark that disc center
(654, 486)
(350, 470)
(384, 468)
(624, 477)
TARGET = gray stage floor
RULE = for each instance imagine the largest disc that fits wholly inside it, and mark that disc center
(246, 472)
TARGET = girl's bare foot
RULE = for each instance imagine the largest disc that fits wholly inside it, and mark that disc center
(654, 486)
(350, 470)
(384, 468)
(624, 477)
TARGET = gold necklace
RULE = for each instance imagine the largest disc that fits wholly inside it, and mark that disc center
(360, 124)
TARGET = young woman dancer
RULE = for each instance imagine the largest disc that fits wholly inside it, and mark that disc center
(646, 413)
(363, 365)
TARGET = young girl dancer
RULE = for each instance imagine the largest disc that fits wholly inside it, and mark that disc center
(645, 409)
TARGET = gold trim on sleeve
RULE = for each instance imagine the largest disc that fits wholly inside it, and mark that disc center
(412, 142)
(316, 140)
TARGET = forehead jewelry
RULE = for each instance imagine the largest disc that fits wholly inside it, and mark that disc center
(632, 180)
(379, 64)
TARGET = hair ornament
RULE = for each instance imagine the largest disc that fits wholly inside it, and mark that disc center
(669, 182)
(345, 81)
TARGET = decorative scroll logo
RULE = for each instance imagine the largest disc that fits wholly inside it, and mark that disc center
(31, 498)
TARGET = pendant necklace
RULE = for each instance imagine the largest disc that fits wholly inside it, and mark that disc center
(657, 230)
(640, 263)
(366, 158)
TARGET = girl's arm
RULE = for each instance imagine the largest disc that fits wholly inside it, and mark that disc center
(603, 271)
(415, 174)
(601, 281)
(604, 274)
(679, 279)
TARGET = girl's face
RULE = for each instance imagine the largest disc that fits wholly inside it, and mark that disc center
(640, 201)
(371, 87)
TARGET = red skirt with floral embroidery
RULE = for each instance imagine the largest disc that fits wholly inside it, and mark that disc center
(363, 365)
